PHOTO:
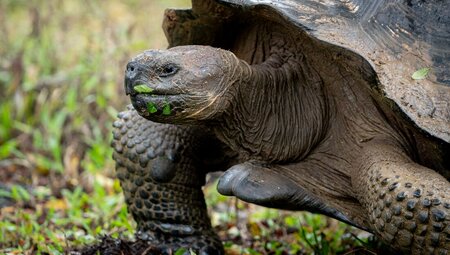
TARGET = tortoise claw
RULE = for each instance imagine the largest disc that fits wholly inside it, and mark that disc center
(265, 185)
(256, 184)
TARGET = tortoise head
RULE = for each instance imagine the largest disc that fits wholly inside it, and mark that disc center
(182, 84)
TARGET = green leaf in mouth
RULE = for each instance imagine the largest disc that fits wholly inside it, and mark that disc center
(143, 89)
(166, 109)
(151, 107)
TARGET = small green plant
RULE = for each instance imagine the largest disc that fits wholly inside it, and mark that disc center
(184, 251)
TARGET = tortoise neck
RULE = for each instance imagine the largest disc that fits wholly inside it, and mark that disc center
(280, 112)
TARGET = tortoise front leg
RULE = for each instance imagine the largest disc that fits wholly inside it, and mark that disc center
(408, 204)
(161, 171)
(273, 186)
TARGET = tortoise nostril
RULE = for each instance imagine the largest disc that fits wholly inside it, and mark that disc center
(131, 74)
(131, 66)
(132, 70)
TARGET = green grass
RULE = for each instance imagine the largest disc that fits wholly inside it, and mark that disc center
(61, 86)
(49, 225)
(251, 229)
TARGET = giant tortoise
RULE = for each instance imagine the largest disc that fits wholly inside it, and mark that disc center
(330, 106)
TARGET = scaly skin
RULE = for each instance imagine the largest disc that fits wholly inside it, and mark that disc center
(408, 204)
(161, 177)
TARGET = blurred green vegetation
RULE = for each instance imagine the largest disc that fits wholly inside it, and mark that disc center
(61, 75)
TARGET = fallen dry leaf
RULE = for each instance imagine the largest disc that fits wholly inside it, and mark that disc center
(57, 204)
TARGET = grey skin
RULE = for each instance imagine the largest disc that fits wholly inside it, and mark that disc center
(300, 138)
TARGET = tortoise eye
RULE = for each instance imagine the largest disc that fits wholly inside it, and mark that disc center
(168, 70)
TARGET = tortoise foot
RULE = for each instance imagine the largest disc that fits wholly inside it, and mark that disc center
(168, 244)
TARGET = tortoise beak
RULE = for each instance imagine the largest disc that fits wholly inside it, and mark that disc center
(132, 73)
(129, 88)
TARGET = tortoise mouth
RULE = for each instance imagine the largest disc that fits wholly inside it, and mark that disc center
(158, 104)
(167, 105)
(140, 86)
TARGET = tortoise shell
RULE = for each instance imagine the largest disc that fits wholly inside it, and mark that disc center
(406, 43)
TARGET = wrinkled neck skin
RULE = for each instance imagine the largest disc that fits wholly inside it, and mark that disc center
(278, 113)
